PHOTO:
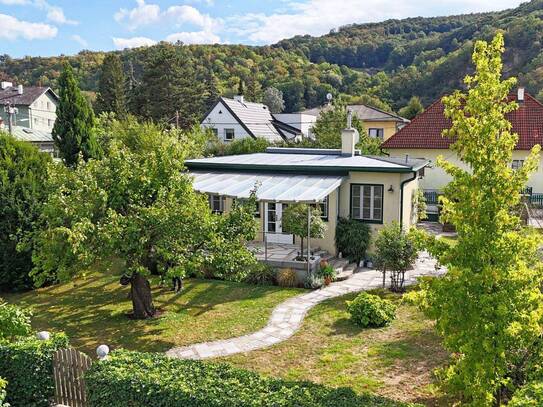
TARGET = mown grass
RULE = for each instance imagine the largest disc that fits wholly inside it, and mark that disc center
(396, 361)
(92, 311)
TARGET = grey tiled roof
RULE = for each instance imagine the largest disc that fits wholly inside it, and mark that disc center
(30, 94)
(363, 112)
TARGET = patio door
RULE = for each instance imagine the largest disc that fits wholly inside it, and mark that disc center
(273, 223)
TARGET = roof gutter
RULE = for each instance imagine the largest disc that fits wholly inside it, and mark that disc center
(402, 185)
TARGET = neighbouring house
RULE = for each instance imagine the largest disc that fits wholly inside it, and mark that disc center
(35, 106)
(378, 123)
(422, 138)
(234, 119)
(41, 139)
(372, 189)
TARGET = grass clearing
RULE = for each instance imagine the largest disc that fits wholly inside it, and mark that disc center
(91, 310)
(396, 361)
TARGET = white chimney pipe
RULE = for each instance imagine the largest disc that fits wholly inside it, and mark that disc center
(20, 89)
(520, 94)
(6, 84)
(349, 140)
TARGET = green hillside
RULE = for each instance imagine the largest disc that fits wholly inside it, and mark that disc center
(389, 61)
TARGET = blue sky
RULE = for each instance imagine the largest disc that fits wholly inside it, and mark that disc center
(54, 27)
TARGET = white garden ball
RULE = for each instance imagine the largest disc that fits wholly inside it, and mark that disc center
(102, 351)
(43, 335)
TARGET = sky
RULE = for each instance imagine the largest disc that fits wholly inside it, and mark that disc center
(55, 27)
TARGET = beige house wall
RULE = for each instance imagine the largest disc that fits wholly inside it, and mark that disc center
(436, 178)
(389, 127)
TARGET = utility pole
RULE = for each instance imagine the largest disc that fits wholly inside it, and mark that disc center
(11, 111)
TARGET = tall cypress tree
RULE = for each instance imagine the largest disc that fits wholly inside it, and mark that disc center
(73, 131)
(111, 92)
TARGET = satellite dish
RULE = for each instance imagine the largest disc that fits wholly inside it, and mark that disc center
(329, 96)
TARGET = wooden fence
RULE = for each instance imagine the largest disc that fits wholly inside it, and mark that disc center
(69, 366)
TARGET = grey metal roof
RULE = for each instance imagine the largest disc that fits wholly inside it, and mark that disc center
(256, 117)
(363, 112)
(30, 94)
(312, 160)
(269, 187)
(31, 135)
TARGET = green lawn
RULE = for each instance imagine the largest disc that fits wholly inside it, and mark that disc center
(91, 310)
(397, 361)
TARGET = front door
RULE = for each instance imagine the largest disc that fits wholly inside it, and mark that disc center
(274, 227)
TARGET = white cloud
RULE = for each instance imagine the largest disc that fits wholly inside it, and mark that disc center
(194, 37)
(188, 14)
(56, 15)
(15, 2)
(134, 42)
(12, 29)
(317, 17)
(142, 14)
(81, 41)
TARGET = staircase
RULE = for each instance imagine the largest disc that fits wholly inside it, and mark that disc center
(344, 269)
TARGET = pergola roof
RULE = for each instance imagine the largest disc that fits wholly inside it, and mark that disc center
(269, 187)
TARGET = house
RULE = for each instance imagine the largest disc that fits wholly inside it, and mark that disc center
(372, 189)
(377, 122)
(35, 106)
(422, 138)
(41, 139)
(234, 119)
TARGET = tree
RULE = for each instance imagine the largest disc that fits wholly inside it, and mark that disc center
(111, 92)
(171, 84)
(273, 98)
(412, 109)
(23, 174)
(295, 222)
(73, 131)
(395, 251)
(331, 122)
(489, 306)
(137, 204)
(14, 322)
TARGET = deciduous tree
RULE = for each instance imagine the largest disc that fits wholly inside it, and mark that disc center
(295, 219)
(273, 98)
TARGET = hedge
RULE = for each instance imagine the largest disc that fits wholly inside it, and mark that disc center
(368, 310)
(27, 366)
(150, 379)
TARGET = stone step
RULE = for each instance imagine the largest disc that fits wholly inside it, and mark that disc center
(338, 264)
(344, 274)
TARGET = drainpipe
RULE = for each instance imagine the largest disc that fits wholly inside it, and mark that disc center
(401, 195)
(308, 239)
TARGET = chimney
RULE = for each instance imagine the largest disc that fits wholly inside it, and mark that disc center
(520, 95)
(239, 98)
(20, 89)
(5, 84)
(349, 138)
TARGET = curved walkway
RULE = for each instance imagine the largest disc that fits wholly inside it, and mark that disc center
(287, 317)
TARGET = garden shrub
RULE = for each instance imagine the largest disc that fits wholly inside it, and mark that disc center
(368, 310)
(287, 278)
(352, 238)
(152, 379)
(14, 322)
(27, 366)
(261, 274)
(313, 281)
(530, 395)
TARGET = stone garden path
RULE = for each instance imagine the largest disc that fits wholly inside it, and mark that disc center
(287, 317)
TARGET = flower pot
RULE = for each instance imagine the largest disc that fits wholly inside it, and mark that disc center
(327, 280)
(323, 263)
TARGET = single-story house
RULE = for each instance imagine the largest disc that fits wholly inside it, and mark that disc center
(372, 189)
(41, 139)
(234, 119)
(377, 122)
(35, 106)
(422, 138)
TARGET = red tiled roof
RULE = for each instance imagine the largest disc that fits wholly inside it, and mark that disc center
(425, 130)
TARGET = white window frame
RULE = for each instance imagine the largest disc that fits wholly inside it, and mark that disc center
(216, 199)
(323, 207)
(516, 164)
(376, 194)
(226, 132)
(379, 132)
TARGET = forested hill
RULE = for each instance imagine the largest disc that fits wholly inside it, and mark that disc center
(380, 63)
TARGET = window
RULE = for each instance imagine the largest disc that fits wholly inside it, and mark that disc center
(367, 202)
(229, 134)
(48, 106)
(272, 217)
(215, 132)
(35, 121)
(323, 207)
(256, 213)
(49, 122)
(216, 203)
(516, 164)
(376, 133)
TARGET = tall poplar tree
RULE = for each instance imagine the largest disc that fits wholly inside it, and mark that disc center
(489, 306)
(73, 131)
(111, 87)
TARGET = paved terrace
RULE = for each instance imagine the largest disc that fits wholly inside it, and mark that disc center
(287, 317)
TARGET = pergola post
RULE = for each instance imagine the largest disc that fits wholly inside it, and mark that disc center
(308, 238)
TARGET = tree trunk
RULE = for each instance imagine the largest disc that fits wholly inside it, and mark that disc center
(142, 300)
(384, 277)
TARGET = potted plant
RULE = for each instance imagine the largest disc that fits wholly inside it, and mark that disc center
(328, 274)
